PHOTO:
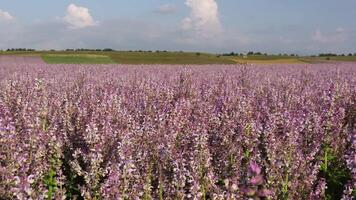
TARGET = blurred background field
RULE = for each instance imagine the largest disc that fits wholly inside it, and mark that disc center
(165, 57)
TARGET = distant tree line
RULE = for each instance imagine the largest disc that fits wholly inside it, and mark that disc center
(82, 49)
(232, 54)
(157, 51)
(333, 54)
(98, 50)
(20, 49)
(251, 53)
(109, 49)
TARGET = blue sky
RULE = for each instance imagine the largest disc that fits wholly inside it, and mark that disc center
(303, 26)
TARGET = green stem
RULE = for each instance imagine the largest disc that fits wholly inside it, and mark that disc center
(285, 185)
(160, 191)
(160, 183)
(148, 184)
(326, 160)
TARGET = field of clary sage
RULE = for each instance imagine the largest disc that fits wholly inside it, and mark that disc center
(177, 132)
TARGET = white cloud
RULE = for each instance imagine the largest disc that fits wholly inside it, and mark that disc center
(166, 9)
(204, 18)
(79, 17)
(337, 36)
(340, 30)
(5, 16)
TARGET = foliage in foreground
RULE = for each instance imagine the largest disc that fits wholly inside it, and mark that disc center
(164, 132)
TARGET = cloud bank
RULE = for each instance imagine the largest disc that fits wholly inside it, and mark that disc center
(166, 9)
(78, 17)
(200, 30)
(337, 36)
(204, 18)
(5, 16)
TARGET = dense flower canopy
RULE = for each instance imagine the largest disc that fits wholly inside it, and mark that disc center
(177, 132)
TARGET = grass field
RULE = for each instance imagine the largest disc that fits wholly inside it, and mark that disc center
(309, 59)
(77, 59)
(267, 59)
(340, 58)
(125, 57)
(168, 58)
(129, 57)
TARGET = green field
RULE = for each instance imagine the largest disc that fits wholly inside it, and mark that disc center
(328, 59)
(168, 58)
(270, 59)
(125, 57)
(77, 59)
(340, 58)
(136, 57)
